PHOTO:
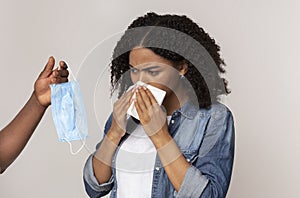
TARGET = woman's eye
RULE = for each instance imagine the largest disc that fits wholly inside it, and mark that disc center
(132, 70)
(153, 73)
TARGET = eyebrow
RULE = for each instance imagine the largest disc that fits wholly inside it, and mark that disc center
(145, 69)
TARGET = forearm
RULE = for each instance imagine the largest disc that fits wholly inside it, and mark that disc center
(171, 158)
(103, 157)
(15, 135)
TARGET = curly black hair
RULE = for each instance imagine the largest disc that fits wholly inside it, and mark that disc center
(152, 31)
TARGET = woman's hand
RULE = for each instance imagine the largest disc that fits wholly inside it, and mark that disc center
(49, 76)
(120, 108)
(152, 116)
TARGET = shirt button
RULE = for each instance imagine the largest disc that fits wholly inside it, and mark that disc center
(172, 121)
(157, 168)
(188, 160)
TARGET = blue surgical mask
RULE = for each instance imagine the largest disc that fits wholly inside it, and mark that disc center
(68, 112)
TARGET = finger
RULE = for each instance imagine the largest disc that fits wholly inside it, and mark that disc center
(124, 102)
(63, 73)
(54, 76)
(54, 73)
(126, 97)
(130, 100)
(61, 79)
(122, 108)
(53, 81)
(140, 100)
(145, 97)
(151, 97)
(63, 65)
(48, 68)
(138, 109)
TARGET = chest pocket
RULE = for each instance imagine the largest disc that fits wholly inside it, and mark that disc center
(190, 135)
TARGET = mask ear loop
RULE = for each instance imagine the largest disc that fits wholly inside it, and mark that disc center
(70, 145)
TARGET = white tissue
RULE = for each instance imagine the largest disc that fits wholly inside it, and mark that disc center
(158, 94)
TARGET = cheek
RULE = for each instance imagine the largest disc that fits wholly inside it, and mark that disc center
(169, 85)
(170, 82)
(159, 86)
(133, 78)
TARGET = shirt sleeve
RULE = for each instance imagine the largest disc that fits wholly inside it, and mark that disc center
(210, 172)
(92, 187)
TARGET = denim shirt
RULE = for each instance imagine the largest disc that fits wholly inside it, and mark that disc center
(205, 138)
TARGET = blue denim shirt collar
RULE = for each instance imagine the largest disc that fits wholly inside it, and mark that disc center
(188, 110)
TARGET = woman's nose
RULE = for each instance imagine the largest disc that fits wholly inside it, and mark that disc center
(143, 77)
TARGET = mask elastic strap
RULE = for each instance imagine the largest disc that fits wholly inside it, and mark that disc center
(71, 148)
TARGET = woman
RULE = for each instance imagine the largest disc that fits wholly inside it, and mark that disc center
(183, 148)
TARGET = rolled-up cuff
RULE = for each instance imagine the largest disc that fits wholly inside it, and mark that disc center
(193, 184)
(91, 180)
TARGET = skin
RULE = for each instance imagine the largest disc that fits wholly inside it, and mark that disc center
(14, 137)
(152, 116)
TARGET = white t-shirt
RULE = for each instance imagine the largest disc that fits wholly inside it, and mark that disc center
(134, 165)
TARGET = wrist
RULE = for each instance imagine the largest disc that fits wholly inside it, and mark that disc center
(161, 138)
(36, 102)
(114, 135)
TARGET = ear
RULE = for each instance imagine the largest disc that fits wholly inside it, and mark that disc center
(183, 68)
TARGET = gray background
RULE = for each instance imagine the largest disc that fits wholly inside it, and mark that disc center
(260, 44)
